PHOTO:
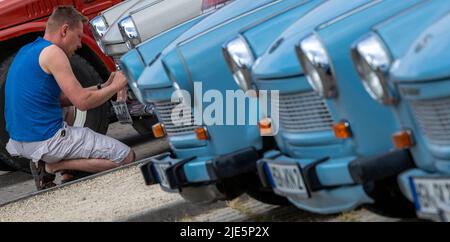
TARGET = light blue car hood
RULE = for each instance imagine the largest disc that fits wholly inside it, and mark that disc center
(222, 15)
(261, 34)
(400, 31)
(428, 57)
(280, 59)
(229, 12)
(218, 18)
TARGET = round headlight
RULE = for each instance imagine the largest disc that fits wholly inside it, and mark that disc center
(372, 63)
(99, 27)
(313, 76)
(240, 60)
(129, 32)
(316, 65)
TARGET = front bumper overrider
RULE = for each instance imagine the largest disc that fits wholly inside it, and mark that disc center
(198, 171)
(337, 184)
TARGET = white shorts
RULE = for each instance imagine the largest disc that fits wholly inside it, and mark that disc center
(71, 143)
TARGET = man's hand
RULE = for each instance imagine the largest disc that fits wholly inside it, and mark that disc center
(110, 79)
(119, 81)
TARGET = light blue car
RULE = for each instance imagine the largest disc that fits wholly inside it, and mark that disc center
(212, 161)
(333, 137)
(404, 64)
(134, 61)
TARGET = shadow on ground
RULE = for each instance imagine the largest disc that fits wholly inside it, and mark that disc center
(178, 212)
(13, 178)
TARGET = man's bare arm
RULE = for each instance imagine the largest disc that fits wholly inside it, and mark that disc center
(105, 84)
(55, 62)
(65, 102)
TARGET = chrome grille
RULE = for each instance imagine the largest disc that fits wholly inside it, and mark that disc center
(433, 118)
(304, 112)
(165, 109)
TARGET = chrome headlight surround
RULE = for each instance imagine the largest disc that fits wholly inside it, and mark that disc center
(129, 32)
(99, 27)
(372, 62)
(239, 59)
(316, 64)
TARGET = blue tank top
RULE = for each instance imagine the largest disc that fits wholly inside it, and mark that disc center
(32, 97)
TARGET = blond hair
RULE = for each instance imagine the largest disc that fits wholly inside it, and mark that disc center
(65, 15)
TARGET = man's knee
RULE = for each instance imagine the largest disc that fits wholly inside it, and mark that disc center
(130, 158)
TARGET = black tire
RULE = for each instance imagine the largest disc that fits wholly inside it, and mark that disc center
(268, 197)
(389, 200)
(96, 119)
(255, 190)
(230, 188)
(8, 161)
(5, 167)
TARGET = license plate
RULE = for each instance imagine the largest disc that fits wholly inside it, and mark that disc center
(160, 169)
(122, 112)
(431, 196)
(287, 179)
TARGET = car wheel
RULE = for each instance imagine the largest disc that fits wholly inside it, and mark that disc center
(255, 190)
(97, 118)
(389, 200)
(4, 166)
(268, 197)
(9, 163)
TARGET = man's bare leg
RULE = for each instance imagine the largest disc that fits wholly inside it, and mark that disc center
(88, 165)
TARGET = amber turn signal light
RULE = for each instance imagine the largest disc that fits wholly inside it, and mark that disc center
(342, 130)
(265, 127)
(202, 133)
(403, 139)
(158, 130)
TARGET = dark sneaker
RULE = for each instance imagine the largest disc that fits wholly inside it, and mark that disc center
(42, 179)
